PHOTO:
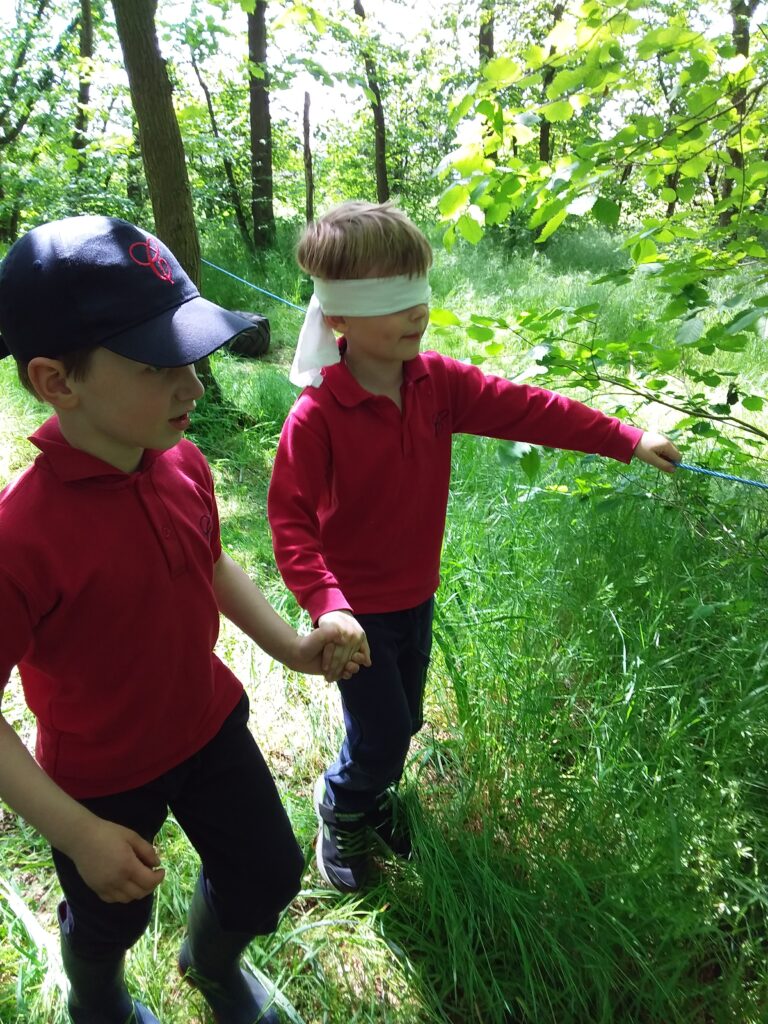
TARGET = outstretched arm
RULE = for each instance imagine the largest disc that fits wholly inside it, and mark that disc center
(244, 604)
(114, 861)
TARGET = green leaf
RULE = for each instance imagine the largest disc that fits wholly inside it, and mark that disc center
(644, 251)
(667, 359)
(565, 81)
(453, 199)
(502, 71)
(744, 321)
(696, 166)
(469, 228)
(494, 348)
(552, 225)
(530, 463)
(462, 108)
(480, 333)
(690, 331)
(443, 318)
(753, 403)
(606, 212)
(735, 344)
(560, 110)
(497, 213)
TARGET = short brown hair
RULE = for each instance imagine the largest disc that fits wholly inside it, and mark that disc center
(76, 364)
(358, 239)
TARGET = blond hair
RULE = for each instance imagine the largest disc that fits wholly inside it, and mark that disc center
(358, 239)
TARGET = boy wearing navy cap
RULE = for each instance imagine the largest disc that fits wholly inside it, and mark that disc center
(359, 490)
(112, 579)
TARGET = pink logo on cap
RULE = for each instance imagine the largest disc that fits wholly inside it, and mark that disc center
(151, 250)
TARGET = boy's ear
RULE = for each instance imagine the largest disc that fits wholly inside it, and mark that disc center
(49, 379)
(336, 323)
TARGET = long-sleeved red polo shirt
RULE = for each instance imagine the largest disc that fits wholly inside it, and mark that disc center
(107, 607)
(359, 490)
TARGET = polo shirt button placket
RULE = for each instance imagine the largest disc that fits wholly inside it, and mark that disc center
(159, 516)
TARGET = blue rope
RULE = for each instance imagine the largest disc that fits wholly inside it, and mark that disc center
(255, 286)
(723, 476)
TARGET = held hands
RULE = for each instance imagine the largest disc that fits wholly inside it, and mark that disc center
(346, 647)
(658, 451)
(116, 862)
(319, 653)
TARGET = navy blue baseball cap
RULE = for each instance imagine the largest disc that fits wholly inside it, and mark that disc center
(90, 281)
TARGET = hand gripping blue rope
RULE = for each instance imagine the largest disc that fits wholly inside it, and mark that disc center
(722, 476)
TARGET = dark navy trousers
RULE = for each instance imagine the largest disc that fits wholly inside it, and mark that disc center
(383, 707)
(225, 800)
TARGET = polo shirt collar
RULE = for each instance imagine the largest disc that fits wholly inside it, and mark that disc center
(346, 390)
(71, 464)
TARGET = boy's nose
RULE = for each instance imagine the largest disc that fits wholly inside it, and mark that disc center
(189, 384)
(418, 312)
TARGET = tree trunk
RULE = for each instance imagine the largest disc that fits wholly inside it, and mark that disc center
(261, 130)
(672, 181)
(485, 35)
(741, 14)
(233, 193)
(379, 127)
(309, 181)
(546, 135)
(162, 150)
(84, 88)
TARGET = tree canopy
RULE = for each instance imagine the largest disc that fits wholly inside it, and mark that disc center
(645, 119)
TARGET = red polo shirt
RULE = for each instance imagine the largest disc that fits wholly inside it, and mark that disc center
(108, 609)
(359, 489)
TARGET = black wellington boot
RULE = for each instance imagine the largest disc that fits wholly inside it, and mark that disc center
(97, 992)
(210, 960)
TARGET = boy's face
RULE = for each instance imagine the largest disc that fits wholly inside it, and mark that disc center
(391, 338)
(123, 407)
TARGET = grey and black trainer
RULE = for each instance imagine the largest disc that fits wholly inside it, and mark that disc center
(389, 822)
(343, 844)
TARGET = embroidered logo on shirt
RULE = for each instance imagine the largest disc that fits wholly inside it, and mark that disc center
(440, 421)
(151, 251)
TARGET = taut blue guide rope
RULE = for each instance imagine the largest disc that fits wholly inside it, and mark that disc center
(255, 287)
(722, 476)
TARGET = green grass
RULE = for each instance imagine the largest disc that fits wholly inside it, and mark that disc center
(588, 795)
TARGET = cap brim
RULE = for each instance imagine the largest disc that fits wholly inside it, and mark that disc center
(179, 336)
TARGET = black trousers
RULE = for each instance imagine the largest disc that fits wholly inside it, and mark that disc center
(225, 800)
(383, 707)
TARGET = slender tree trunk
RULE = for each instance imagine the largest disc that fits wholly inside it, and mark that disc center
(84, 89)
(672, 181)
(546, 135)
(262, 210)
(379, 126)
(741, 14)
(485, 35)
(309, 181)
(159, 137)
(233, 193)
